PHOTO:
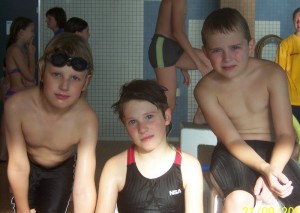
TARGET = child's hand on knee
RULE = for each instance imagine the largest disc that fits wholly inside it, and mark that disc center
(263, 193)
(279, 183)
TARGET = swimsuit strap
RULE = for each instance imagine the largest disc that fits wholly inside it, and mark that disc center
(178, 156)
(130, 155)
(131, 159)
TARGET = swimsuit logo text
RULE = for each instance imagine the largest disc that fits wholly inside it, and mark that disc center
(174, 192)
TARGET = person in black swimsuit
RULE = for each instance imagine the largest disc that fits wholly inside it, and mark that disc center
(152, 175)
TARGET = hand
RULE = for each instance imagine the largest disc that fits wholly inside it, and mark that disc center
(278, 183)
(186, 77)
(31, 47)
(203, 65)
(32, 211)
(263, 193)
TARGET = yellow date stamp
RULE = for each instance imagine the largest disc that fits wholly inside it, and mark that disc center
(270, 209)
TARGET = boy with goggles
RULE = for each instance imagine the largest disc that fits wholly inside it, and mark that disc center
(46, 136)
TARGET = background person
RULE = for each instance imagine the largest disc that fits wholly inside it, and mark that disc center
(171, 49)
(78, 26)
(56, 19)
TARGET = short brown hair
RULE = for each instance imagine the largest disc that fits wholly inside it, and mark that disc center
(224, 20)
(144, 90)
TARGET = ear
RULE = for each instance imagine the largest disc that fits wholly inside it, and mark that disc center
(168, 116)
(251, 47)
(87, 82)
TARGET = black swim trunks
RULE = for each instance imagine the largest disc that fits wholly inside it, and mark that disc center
(50, 188)
(163, 52)
(231, 174)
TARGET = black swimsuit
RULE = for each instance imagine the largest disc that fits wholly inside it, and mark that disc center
(162, 194)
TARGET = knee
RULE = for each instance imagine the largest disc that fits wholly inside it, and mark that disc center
(238, 200)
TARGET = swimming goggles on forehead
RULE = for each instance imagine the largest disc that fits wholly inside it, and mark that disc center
(77, 63)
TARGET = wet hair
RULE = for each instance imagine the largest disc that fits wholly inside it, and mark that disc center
(224, 20)
(59, 15)
(296, 11)
(68, 44)
(18, 24)
(144, 90)
(75, 24)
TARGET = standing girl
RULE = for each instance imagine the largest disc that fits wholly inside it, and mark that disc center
(20, 55)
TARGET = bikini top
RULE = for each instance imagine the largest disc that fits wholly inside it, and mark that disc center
(14, 70)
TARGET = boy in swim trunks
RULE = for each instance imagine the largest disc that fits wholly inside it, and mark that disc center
(245, 102)
(171, 49)
(152, 175)
(50, 128)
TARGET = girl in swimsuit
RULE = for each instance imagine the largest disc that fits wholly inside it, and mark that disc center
(20, 55)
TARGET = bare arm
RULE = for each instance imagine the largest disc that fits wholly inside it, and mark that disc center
(109, 185)
(193, 181)
(282, 120)
(228, 134)
(31, 56)
(18, 163)
(285, 137)
(84, 191)
(27, 69)
(222, 126)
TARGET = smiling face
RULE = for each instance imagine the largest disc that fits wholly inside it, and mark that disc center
(62, 86)
(145, 124)
(228, 53)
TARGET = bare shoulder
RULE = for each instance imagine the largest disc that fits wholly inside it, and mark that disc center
(266, 68)
(12, 48)
(206, 83)
(266, 65)
(116, 166)
(22, 101)
(13, 51)
(87, 114)
(189, 161)
(191, 171)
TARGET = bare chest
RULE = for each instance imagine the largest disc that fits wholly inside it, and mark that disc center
(241, 101)
(56, 136)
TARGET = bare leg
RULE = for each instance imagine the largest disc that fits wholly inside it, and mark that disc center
(167, 78)
(186, 63)
(238, 201)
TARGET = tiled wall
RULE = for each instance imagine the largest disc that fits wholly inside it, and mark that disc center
(121, 31)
